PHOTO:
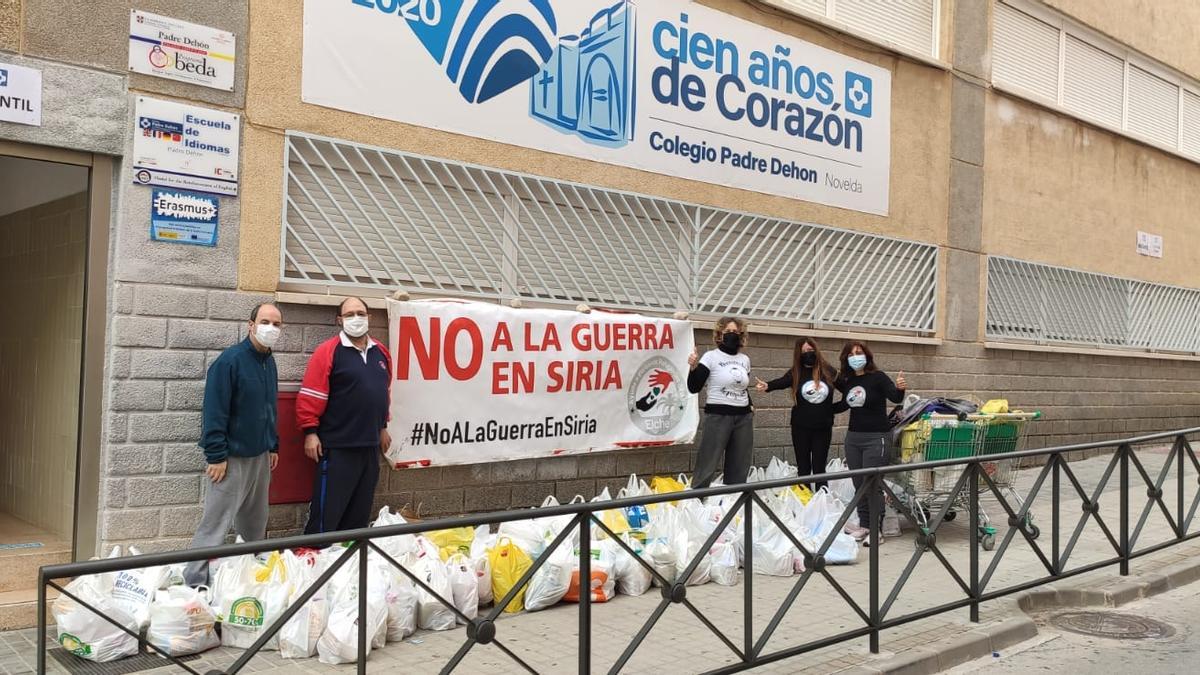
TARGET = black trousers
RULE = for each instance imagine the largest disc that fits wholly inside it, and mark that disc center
(864, 450)
(812, 451)
(343, 490)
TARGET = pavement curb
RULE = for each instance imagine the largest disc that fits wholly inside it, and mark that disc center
(966, 646)
(985, 639)
(1120, 591)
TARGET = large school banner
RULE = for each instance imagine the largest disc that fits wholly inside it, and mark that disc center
(666, 86)
(476, 382)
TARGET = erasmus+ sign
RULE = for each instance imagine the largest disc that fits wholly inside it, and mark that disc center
(660, 85)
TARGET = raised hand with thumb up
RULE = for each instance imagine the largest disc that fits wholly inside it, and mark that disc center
(901, 383)
(693, 359)
(760, 385)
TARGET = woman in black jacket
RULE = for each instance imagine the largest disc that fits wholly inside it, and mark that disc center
(865, 392)
(811, 381)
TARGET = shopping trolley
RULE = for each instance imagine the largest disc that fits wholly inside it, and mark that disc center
(937, 437)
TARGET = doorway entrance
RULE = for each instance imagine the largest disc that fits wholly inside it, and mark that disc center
(43, 248)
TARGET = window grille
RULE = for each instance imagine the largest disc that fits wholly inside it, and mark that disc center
(1046, 304)
(358, 216)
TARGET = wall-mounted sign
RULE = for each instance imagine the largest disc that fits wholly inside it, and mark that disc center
(178, 50)
(20, 95)
(1149, 244)
(660, 85)
(184, 217)
(182, 146)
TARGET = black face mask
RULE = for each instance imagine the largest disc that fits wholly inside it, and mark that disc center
(808, 359)
(731, 343)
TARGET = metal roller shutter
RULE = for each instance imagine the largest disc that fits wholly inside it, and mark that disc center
(1025, 53)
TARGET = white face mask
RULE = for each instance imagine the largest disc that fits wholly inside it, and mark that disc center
(355, 326)
(267, 335)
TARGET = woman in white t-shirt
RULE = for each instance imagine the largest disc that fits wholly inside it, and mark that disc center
(724, 374)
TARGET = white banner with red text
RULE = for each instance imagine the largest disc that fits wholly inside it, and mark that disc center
(477, 382)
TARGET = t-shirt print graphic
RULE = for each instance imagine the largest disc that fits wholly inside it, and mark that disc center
(856, 397)
(814, 393)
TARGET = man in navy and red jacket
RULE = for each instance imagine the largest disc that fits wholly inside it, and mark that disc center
(343, 410)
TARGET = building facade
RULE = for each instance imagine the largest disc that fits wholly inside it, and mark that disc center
(1038, 240)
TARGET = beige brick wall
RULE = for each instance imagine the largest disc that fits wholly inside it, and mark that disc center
(41, 276)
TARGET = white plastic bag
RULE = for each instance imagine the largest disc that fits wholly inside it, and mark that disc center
(464, 585)
(250, 597)
(778, 468)
(843, 551)
(550, 583)
(398, 546)
(483, 541)
(402, 603)
(842, 488)
(431, 613)
(686, 549)
(181, 622)
(528, 535)
(339, 643)
(773, 553)
(552, 525)
(818, 520)
(602, 583)
(724, 564)
(134, 590)
(83, 633)
(298, 637)
(632, 577)
(660, 548)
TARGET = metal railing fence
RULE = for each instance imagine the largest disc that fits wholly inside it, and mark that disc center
(977, 584)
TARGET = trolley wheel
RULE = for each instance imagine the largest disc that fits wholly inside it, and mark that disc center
(988, 542)
(1034, 532)
(950, 516)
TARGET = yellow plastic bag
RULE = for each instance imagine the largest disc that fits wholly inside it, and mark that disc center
(663, 484)
(996, 406)
(272, 567)
(508, 562)
(616, 521)
(452, 541)
(802, 493)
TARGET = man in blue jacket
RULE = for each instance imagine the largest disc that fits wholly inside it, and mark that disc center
(239, 438)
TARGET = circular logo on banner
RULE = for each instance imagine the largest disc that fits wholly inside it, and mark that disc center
(143, 176)
(856, 397)
(657, 397)
(814, 393)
